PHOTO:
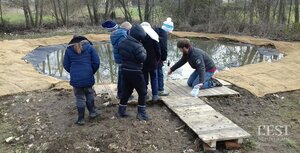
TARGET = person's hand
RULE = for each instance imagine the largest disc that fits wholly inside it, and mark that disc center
(170, 72)
(199, 85)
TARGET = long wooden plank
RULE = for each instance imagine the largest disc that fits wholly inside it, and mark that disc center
(207, 123)
(175, 89)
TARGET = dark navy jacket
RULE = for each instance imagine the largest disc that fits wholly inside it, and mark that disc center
(198, 59)
(116, 37)
(163, 42)
(81, 67)
(153, 54)
(132, 52)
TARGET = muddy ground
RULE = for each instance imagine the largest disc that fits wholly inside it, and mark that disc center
(42, 121)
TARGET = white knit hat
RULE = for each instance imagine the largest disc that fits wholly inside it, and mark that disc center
(168, 25)
(148, 29)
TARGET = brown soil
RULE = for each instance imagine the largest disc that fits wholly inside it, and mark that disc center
(43, 121)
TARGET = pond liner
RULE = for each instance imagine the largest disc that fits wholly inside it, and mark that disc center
(39, 54)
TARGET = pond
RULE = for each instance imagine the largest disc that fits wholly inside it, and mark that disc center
(48, 59)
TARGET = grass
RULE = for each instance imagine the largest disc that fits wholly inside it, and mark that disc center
(291, 143)
(18, 18)
(250, 144)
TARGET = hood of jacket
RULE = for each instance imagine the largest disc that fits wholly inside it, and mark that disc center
(137, 32)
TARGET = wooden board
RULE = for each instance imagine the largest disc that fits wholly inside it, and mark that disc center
(207, 123)
(182, 89)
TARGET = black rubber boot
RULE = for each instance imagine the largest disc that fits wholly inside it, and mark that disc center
(80, 120)
(122, 111)
(141, 114)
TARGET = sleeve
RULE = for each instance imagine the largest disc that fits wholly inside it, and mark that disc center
(181, 62)
(200, 68)
(157, 50)
(67, 62)
(140, 54)
(95, 59)
(164, 48)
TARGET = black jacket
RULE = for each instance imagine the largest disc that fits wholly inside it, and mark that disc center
(153, 54)
(132, 52)
(163, 42)
(198, 59)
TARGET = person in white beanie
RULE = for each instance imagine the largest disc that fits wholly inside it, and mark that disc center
(163, 31)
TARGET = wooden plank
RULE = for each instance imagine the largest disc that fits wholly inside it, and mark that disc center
(223, 82)
(208, 124)
(217, 91)
(175, 89)
(180, 87)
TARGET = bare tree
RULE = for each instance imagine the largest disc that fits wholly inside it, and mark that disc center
(139, 10)
(126, 12)
(55, 12)
(1, 17)
(281, 13)
(296, 11)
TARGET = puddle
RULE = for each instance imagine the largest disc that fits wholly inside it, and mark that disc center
(48, 59)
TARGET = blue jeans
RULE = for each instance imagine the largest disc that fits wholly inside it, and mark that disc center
(119, 84)
(154, 83)
(85, 96)
(160, 77)
(194, 80)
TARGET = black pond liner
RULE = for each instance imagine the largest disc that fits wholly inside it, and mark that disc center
(48, 59)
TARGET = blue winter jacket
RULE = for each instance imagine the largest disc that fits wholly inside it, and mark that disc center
(82, 67)
(116, 37)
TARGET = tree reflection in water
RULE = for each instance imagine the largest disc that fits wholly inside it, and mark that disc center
(224, 54)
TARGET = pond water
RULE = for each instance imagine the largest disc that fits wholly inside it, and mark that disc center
(48, 59)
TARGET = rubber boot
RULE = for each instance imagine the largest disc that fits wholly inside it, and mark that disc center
(91, 107)
(141, 114)
(80, 120)
(122, 111)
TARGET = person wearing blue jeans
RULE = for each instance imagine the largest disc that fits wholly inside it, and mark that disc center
(160, 80)
(82, 62)
(153, 81)
(194, 80)
(162, 32)
(199, 60)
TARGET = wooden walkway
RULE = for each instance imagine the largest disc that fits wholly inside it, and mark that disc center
(207, 123)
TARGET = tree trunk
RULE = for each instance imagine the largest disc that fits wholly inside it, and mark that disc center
(95, 10)
(27, 20)
(41, 12)
(1, 16)
(90, 12)
(297, 11)
(139, 10)
(274, 11)
(30, 13)
(36, 5)
(61, 13)
(281, 16)
(267, 14)
(67, 12)
(106, 9)
(55, 12)
(289, 18)
(252, 6)
(147, 11)
(126, 11)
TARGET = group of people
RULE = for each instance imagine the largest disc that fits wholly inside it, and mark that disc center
(140, 52)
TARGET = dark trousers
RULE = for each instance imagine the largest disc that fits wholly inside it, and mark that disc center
(153, 80)
(160, 76)
(133, 79)
(85, 96)
(119, 84)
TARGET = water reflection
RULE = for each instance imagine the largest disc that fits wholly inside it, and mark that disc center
(224, 54)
